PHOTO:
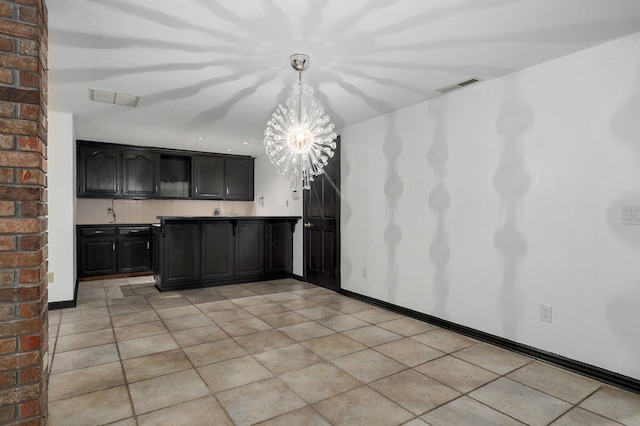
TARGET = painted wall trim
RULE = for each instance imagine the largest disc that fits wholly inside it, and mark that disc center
(606, 376)
(65, 304)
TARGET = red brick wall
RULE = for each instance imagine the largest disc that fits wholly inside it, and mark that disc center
(23, 224)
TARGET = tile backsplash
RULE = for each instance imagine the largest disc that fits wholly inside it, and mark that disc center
(94, 210)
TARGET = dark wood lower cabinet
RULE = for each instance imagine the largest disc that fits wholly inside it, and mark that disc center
(97, 256)
(113, 249)
(201, 252)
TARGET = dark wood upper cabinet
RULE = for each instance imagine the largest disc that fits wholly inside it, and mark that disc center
(99, 171)
(141, 170)
(239, 178)
(208, 172)
(175, 176)
(122, 171)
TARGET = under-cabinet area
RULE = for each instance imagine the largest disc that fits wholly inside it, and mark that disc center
(113, 249)
(208, 251)
(120, 171)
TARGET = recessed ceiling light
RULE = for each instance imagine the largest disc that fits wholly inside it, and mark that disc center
(200, 138)
(228, 149)
(245, 143)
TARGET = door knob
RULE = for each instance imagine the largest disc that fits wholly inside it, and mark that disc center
(308, 225)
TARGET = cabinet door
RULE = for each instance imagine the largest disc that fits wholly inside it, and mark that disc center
(99, 172)
(134, 254)
(239, 178)
(217, 250)
(279, 247)
(97, 256)
(181, 252)
(140, 173)
(208, 171)
(249, 248)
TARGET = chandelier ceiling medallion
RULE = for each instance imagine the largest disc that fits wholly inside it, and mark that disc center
(299, 138)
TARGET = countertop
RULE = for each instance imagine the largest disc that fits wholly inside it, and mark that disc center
(164, 218)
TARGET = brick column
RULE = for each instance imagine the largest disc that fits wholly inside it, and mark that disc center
(23, 238)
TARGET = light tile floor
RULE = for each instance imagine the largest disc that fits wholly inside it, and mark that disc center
(289, 353)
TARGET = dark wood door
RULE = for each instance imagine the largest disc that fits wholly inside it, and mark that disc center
(217, 250)
(239, 177)
(99, 172)
(249, 248)
(181, 253)
(321, 221)
(141, 170)
(208, 172)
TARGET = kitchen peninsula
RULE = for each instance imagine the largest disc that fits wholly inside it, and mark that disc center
(203, 251)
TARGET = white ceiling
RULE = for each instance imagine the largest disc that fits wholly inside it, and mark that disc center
(217, 68)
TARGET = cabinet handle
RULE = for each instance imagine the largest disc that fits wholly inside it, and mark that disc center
(196, 189)
(114, 246)
(147, 245)
(97, 232)
(227, 190)
(118, 188)
(135, 230)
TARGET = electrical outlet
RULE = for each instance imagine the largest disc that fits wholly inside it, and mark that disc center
(545, 313)
(49, 277)
(364, 272)
(109, 210)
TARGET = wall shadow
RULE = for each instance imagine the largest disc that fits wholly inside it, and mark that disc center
(439, 202)
(393, 188)
(512, 181)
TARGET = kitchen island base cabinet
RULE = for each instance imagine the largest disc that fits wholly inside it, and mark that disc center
(250, 248)
(203, 252)
(218, 245)
(181, 260)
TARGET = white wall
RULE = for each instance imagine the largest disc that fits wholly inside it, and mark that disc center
(61, 197)
(480, 205)
(278, 201)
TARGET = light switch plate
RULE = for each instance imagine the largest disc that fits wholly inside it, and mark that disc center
(630, 215)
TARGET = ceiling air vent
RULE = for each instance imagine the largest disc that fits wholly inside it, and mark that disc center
(113, 98)
(459, 85)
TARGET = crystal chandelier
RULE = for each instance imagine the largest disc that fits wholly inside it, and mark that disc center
(299, 139)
